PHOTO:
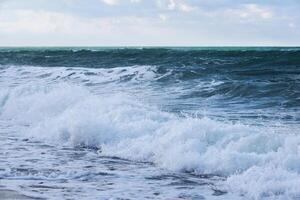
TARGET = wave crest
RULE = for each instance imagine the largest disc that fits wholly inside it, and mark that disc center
(124, 127)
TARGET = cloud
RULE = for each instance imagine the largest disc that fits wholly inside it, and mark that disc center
(292, 25)
(163, 17)
(117, 2)
(40, 27)
(111, 2)
(42, 22)
(251, 11)
(186, 8)
(180, 5)
(153, 22)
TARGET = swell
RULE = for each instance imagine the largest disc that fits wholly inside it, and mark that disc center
(167, 57)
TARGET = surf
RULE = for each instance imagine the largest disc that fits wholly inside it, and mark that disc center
(121, 126)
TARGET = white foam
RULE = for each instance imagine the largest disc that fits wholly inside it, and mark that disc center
(98, 75)
(266, 182)
(259, 162)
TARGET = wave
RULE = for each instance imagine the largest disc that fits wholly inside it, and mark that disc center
(166, 57)
(119, 125)
(274, 96)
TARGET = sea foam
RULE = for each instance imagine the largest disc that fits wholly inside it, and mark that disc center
(259, 162)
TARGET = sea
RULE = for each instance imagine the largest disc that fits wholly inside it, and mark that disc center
(170, 123)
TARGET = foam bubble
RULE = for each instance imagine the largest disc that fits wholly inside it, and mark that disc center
(259, 162)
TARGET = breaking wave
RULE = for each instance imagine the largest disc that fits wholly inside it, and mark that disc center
(230, 112)
(259, 162)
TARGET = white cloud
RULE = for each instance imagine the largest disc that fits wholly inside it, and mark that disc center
(153, 22)
(186, 8)
(163, 17)
(180, 5)
(111, 2)
(118, 2)
(171, 5)
(32, 27)
(251, 11)
(41, 22)
(292, 25)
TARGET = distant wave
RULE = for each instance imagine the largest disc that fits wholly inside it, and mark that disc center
(168, 57)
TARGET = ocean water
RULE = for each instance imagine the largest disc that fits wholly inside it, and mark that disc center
(150, 123)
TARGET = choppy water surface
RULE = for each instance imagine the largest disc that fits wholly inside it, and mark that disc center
(145, 123)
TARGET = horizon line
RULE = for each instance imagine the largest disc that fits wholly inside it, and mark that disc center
(151, 46)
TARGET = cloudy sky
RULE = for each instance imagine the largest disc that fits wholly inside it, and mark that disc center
(149, 22)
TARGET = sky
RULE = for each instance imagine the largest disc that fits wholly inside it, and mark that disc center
(149, 23)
